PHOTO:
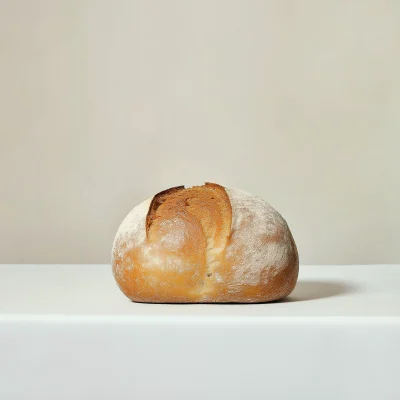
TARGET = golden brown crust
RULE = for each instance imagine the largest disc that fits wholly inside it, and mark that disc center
(158, 199)
(192, 252)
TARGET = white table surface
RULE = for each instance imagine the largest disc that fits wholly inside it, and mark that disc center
(67, 332)
(65, 291)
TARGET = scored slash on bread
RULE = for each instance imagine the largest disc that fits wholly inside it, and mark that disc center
(210, 206)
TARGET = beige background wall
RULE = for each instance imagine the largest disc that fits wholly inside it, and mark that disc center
(104, 103)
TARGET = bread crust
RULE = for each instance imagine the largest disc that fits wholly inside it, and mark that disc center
(205, 244)
(157, 200)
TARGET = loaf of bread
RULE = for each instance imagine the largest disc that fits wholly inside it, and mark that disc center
(204, 244)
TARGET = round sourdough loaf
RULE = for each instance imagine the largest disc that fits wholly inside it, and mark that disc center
(204, 244)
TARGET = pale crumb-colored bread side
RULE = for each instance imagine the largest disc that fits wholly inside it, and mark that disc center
(130, 234)
(262, 254)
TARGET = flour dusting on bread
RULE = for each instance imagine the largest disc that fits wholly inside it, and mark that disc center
(253, 222)
(132, 231)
